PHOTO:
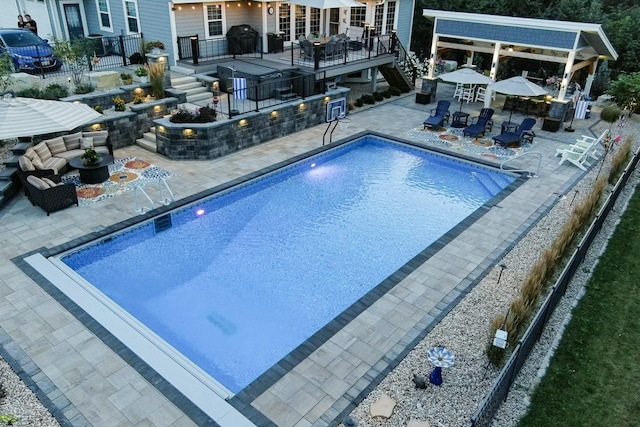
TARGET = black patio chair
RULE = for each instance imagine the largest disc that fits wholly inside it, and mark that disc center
(482, 123)
(523, 133)
(438, 116)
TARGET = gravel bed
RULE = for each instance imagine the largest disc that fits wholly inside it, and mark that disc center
(464, 331)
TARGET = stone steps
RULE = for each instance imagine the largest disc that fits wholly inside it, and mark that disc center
(148, 140)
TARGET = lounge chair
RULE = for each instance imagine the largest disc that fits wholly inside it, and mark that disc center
(579, 158)
(585, 143)
(438, 116)
(523, 133)
(49, 193)
(482, 123)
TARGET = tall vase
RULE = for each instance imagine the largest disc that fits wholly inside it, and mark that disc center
(144, 79)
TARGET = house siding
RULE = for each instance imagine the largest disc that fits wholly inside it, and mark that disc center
(155, 23)
(405, 12)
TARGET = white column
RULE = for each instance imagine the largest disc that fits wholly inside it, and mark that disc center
(432, 56)
(470, 60)
(567, 75)
(590, 77)
(494, 62)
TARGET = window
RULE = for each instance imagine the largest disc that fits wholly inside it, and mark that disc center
(301, 21)
(378, 16)
(104, 13)
(215, 20)
(358, 16)
(284, 20)
(131, 15)
(391, 14)
(314, 21)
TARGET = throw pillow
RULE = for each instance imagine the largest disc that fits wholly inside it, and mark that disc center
(99, 137)
(48, 181)
(25, 164)
(37, 163)
(43, 151)
(87, 143)
(56, 145)
(30, 153)
(37, 182)
(72, 141)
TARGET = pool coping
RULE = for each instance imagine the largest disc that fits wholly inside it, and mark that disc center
(242, 400)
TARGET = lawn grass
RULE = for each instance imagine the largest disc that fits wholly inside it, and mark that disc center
(594, 376)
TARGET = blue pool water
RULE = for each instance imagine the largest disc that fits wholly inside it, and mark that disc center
(242, 279)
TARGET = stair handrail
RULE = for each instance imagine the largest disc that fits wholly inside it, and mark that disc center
(165, 200)
(405, 61)
(537, 153)
(142, 209)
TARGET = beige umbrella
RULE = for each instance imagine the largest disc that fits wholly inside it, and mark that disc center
(28, 117)
(465, 76)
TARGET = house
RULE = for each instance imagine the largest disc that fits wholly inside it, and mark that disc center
(210, 21)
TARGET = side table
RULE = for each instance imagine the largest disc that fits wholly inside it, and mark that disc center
(459, 119)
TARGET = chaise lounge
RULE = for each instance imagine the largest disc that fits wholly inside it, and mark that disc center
(523, 133)
(438, 116)
(480, 126)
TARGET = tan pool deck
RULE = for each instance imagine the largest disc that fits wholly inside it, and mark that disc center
(84, 379)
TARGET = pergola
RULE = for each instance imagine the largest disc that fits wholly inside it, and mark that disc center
(575, 44)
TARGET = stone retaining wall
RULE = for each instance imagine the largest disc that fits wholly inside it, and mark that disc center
(204, 141)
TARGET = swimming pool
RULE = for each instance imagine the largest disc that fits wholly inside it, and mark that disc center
(277, 259)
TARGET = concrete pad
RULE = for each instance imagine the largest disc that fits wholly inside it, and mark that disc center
(417, 423)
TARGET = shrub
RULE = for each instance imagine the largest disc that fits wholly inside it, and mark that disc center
(99, 109)
(619, 160)
(84, 88)
(394, 91)
(54, 91)
(378, 96)
(126, 78)
(202, 115)
(141, 71)
(138, 98)
(30, 92)
(368, 99)
(156, 77)
(154, 44)
(119, 104)
(387, 94)
(359, 102)
(351, 106)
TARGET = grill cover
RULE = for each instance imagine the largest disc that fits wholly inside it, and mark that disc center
(242, 39)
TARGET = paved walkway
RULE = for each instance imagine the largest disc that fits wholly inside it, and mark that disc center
(91, 384)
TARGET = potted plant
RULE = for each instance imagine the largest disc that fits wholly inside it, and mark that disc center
(155, 46)
(142, 73)
(118, 104)
(90, 156)
(126, 78)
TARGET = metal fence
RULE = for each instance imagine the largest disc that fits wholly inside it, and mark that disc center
(102, 53)
(260, 94)
(498, 393)
(315, 55)
(195, 50)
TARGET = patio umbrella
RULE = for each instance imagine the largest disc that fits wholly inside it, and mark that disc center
(466, 76)
(29, 116)
(517, 86)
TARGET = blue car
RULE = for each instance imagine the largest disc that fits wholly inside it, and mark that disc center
(29, 53)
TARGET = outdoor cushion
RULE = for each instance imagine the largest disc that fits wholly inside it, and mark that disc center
(30, 153)
(37, 182)
(87, 143)
(71, 154)
(37, 163)
(72, 141)
(25, 163)
(48, 181)
(43, 151)
(99, 137)
(56, 145)
(55, 163)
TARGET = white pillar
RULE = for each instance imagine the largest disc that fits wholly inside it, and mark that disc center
(590, 78)
(567, 75)
(470, 60)
(432, 56)
(494, 62)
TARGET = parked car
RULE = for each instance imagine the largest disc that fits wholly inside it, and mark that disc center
(29, 53)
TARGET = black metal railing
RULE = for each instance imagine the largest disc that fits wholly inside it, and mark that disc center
(260, 94)
(100, 53)
(195, 50)
(498, 393)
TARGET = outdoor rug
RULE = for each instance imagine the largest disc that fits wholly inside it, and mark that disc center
(124, 175)
(453, 138)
